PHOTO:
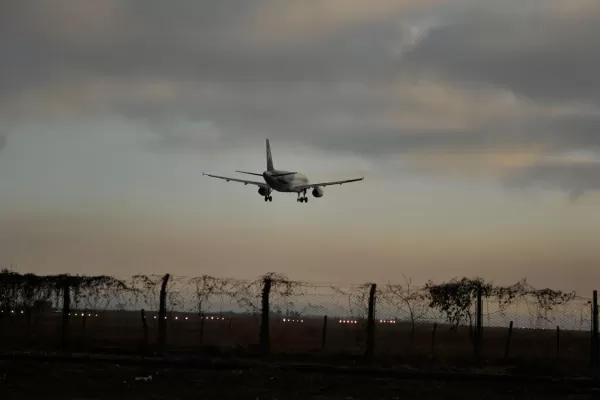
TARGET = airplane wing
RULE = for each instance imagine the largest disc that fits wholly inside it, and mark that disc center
(260, 184)
(314, 185)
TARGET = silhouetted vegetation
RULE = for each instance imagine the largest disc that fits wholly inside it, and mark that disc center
(228, 315)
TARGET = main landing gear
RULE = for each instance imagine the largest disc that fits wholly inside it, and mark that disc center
(268, 198)
(303, 199)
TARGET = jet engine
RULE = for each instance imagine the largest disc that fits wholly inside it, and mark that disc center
(263, 191)
(318, 192)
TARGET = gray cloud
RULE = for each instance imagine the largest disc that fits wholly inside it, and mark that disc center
(209, 74)
(197, 41)
(576, 179)
(545, 53)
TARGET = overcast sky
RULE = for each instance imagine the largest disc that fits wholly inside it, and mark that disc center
(475, 123)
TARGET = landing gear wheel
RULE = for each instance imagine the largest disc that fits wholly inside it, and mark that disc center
(270, 198)
(302, 199)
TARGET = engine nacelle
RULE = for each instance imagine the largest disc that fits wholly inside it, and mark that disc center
(318, 192)
(263, 191)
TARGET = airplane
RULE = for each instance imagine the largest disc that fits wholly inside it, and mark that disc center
(283, 181)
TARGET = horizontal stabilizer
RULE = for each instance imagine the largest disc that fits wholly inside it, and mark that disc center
(283, 174)
(249, 173)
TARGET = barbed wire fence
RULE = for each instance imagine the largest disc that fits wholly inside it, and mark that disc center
(275, 314)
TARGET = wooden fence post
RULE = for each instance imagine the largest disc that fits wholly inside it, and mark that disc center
(162, 314)
(558, 342)
(508, 337)
(29, 315)
(595, 347)
(324, 333)
(433, 340)
(84, 321)
(265, 342)
(65, 314)
(145, 330)
(202, 318)
(369, 352)
(479, 328)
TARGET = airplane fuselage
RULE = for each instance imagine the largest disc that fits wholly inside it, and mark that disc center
(284, 183)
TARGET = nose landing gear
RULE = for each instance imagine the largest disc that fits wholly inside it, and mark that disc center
(268, 198)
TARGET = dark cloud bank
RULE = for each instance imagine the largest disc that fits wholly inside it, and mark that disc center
(163, 63)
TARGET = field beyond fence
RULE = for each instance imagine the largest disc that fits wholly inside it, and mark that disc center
(462, 321)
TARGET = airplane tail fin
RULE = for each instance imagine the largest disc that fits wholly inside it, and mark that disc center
(270, 166)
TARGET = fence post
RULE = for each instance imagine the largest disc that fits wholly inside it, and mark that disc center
(324, 333)
(558, 342)
(202, 319)
(433, 340)
(145, 328)
(479, 328)
(83, 321)
(371, 323)
(595, 350)
(28, 313)
(83, 326)
(162, 314)
(65, 314)
(508, 337)
(264, 325)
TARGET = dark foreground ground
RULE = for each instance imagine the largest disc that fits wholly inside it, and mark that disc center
(60, 380)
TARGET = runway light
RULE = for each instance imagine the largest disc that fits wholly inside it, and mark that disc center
(176, 317)
(186, 318)
(22, 312)
(155, 317)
